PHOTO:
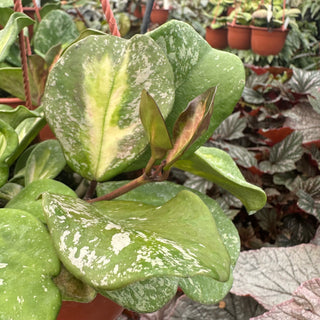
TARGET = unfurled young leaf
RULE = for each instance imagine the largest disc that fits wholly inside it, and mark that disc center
(191, 124)
(284, 154)
(270, 275)
(305, 304)
(154, 126)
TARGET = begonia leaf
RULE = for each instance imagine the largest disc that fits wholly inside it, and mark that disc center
(217, 166)
(95, 108)
(284, 154)
(304, 304)
(269, 274)
(27, 263)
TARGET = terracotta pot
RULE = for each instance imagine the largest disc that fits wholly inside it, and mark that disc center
(158, 16)
(100, 308)
(239, 37)
(217, 38)
(266, 42)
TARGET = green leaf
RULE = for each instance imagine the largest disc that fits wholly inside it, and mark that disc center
(136, 241)
(198, 67)
(8, 141)
(217, 166)
(6, 3)
(9, 191)
(28, 198)
(46, 161)
(144, 295)
(284, 154)
(56, 27)
(94, 107)
(154, 126)
(202, 289)
(191, 124)
(28, 261)
(8, 35)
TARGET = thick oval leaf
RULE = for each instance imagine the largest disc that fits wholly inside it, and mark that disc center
(218, 167)
(8, 35)
(145, 296)
(8, 141)
(200, 288)
(197, 67)
(28, 198)
(93, 106)
(56, 27)
(46, 161)
(8, 191)
(27, 263)
(102, 246)
(15, 116)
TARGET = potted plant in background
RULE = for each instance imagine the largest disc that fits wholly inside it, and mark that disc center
(160, 12)
(270, 28)
(217, 32)
(134, 249)
(239, 32)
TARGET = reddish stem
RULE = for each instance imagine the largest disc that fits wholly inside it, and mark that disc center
(37, 10)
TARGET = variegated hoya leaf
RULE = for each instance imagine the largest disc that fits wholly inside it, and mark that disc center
(93, 105)
(198, 67)
(8, 35)
(217, 166)
(202, 289)
(27, 263)
(115, 244)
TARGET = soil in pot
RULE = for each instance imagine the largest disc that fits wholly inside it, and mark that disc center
(217, 38)
(265, 42)
(100, 308)
(239, 37)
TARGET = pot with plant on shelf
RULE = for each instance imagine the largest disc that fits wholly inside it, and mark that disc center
(269, 28)
(217, 32)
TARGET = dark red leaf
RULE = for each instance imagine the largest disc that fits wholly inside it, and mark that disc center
(275, 135)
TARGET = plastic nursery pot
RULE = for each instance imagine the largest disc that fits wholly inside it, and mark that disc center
(159, 16)
(217, 38)
(265, 42)
(239, 37)
(100, 308)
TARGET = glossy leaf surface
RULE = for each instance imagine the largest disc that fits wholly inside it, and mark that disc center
(29, 200)
(8, 35)
(46, 161)
(133, 244)
(155, 126)
(198, 67)
(217, 166)
(202, 289)
(56, 27)
(27, 263)
(191, 124)
(93, 106)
